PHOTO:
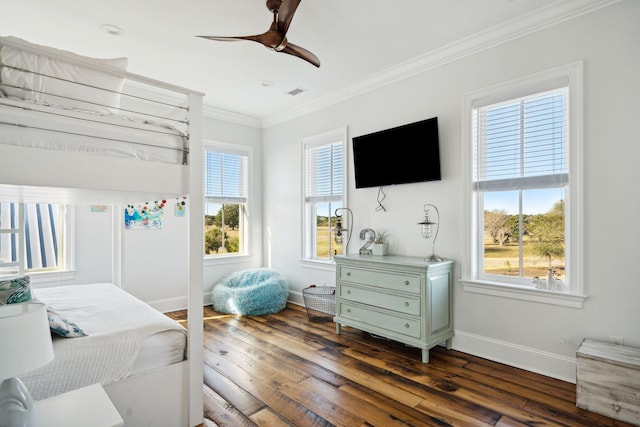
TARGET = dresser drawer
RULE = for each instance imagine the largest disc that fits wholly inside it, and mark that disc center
(399, 281)
(380, 319)
(403, 304)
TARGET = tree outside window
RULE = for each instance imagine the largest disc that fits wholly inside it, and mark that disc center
(525, 245)
(222, 230)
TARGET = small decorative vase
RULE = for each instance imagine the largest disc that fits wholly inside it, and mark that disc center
(379, 249)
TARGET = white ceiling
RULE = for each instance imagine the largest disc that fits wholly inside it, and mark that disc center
(360, 43)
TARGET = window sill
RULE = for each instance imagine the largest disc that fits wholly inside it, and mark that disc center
(317, 264)
(524, 293)
(46, 277)
(226, 259)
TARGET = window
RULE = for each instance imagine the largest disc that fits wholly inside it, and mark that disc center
(519, 179)
(31, 238)
(523, 163)
(324, 192)
(225, 201)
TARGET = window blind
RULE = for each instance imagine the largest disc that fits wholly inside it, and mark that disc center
(226, 176)
(324, 172)
(40, 234)
(522, 143)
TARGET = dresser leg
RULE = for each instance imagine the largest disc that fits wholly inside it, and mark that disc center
(338, 328)
(425, 355)
(447, 343)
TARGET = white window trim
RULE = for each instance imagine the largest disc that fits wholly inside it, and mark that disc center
(245, 150)
(340, 133)
(575, 297)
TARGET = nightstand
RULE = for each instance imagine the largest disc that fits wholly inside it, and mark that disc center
(88, 406)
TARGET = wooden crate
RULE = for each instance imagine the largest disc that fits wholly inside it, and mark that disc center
(608, 380)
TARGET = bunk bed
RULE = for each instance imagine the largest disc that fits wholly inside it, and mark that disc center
(76, 129)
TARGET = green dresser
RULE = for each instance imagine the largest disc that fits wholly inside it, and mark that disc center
(402, 298)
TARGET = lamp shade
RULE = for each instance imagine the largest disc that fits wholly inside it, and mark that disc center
(25, 338)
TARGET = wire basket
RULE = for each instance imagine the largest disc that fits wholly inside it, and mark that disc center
(320, 302)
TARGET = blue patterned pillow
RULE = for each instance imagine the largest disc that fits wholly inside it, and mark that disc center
(63, 327)
(15, 290)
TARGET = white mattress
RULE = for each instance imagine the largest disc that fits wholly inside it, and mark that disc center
(159, 350)
(125, 337)
(39, 126)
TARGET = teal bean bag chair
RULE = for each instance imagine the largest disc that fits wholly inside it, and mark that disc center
(254, 291)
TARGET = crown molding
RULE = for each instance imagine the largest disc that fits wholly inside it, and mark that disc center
(540, 19)
(211, 112)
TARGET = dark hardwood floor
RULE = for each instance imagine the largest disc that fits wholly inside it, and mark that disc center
(284, 370)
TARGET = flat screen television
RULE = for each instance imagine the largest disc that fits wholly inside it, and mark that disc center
(400, 155)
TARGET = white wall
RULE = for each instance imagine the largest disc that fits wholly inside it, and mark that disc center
(155, 265)
(535, 336)
(94, 251)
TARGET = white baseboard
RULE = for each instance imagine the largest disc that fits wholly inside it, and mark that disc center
(530, 359)
(177, 303)
(295, 297)
(169, 304)
(206, 298)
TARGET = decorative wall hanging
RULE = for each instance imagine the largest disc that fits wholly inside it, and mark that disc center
(99, 208)
(144, 216)
(181, 206)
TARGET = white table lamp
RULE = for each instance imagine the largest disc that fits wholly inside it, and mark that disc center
(26, 346)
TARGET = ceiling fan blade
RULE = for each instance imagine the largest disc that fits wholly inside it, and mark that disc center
(274, 38)
(256, 38)
(301, 53)
(285, 14)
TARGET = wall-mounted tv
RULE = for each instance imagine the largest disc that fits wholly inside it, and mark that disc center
(400, 155)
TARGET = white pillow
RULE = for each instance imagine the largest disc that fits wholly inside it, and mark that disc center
(43, 90)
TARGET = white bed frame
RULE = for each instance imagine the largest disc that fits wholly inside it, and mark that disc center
(169, 396)
(155, 398)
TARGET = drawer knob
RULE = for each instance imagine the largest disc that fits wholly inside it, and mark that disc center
(349, 291)
(348, 310)
(406, 325)
(348, 273)
(406, 282)
(406, 303)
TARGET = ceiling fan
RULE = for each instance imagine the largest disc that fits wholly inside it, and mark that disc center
(275, 38)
